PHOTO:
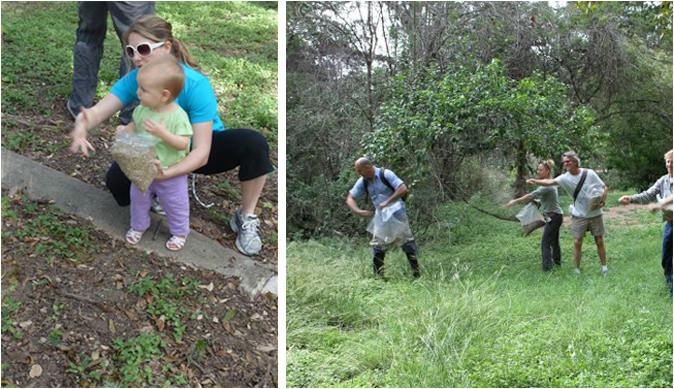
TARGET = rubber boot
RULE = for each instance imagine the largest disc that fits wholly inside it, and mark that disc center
(378, 264)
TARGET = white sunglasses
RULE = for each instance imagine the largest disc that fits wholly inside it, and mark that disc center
(143, 49)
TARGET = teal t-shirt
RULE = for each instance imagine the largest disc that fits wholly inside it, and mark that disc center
(176, 122)
(197, 97)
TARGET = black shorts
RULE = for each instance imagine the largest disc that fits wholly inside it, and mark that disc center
(246, 149)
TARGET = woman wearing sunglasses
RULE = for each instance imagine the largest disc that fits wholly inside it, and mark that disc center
(214, 150)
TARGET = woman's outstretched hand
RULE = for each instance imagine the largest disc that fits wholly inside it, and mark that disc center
(79, 133)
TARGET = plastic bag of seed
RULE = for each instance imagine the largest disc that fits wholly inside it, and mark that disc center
(530, 218)
(595, 193)
(134, 153)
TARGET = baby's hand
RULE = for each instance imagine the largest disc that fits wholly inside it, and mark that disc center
(154, 128)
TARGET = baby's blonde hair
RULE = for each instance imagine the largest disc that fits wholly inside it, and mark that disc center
(168, 73)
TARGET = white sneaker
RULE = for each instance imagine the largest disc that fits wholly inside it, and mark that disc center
(247, 234)
(576, 271)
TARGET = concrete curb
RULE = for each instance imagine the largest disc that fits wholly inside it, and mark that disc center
(76, 197)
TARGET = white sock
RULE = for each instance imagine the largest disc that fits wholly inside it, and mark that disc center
(577, 270)
(604, 268)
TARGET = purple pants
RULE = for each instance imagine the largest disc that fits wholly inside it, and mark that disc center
(172, 195)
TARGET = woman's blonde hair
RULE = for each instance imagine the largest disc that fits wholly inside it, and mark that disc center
(159, 30)
(669, 154)
(550, 165)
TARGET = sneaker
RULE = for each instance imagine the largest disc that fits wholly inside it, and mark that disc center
(604, 272)
(157, 208)
(73, 112)
(576, 271)
(247, 234)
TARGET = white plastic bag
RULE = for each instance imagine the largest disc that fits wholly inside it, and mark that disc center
(594, 193)
(134, 153)
(530, 218)
(666, 209)
(386, 226)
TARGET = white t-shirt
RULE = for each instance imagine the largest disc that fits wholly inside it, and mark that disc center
(569, 182)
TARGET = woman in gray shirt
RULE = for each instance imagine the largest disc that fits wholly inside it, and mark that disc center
(550, 250)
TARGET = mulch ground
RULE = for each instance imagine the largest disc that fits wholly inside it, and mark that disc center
(81, 309)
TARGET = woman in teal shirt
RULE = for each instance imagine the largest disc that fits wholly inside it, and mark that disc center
(214, 149)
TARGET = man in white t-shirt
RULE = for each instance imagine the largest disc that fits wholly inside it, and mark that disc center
(586, 211)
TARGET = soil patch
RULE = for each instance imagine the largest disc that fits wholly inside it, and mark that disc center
(79, 309)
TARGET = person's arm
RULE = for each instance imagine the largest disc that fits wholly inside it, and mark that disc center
(651, 194)
(522, 199)
(353, 206)
(198, 156)
(88, 119)
(399, 192)
(546, 182)
(176, 142)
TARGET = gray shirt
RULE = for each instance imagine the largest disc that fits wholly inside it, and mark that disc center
(549, 199)
(662, 187)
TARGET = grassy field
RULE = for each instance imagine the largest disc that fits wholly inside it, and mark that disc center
(483, 314)
(235, 43)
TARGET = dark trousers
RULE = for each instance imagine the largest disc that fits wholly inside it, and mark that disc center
(551, 253)
(667, 254)
(88, 49)
(410, 249)
(246, 149)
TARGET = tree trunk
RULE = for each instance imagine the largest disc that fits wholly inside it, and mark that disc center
(520, 181)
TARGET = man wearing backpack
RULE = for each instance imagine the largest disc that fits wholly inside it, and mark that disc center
(385, 189)
(585, 215)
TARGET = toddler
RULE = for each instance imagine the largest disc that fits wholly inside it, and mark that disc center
(159, 84)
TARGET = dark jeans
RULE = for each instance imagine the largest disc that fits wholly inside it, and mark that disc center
(550, 243)
(88, 49)
(667, 254)
(246, 149)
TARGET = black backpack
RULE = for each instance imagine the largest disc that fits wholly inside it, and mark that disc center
(383, 179)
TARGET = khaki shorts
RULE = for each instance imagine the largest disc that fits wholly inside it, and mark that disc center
(383, 246)
(580, 225)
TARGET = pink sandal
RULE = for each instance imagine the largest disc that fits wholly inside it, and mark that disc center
(176, 243)
(133, 236)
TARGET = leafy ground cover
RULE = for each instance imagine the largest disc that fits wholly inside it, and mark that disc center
(483, 314)
(234, 42)
(80, 310)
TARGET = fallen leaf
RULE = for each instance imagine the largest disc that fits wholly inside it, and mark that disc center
(131, 314)
(216, 320)
(255, 316)
(35, 371)
(161, 323)
(230, 315)
(266, 349)
(95, 354)
(25, 324)
(208, 287)
(111, 326)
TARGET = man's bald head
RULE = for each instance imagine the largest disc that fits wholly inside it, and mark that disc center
(365, 168)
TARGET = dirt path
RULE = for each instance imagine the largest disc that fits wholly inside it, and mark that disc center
(623, 214)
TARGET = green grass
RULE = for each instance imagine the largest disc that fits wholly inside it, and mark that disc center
(483, 314)
(235, 43)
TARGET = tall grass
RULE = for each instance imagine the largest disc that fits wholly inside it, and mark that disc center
(483, 314)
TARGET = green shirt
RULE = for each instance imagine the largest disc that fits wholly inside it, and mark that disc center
(176, 122)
